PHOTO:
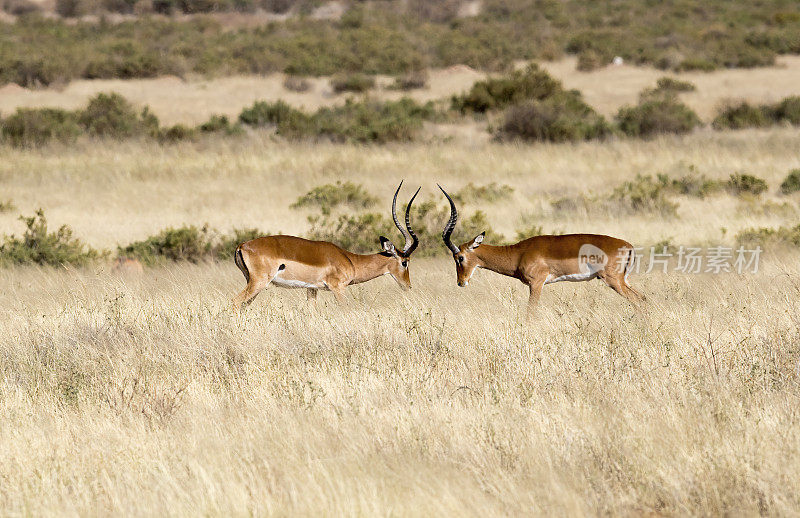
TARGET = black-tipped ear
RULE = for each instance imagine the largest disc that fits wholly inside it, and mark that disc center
(478, 240)
(387, 246)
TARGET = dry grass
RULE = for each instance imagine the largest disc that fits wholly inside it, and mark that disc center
(146, 396)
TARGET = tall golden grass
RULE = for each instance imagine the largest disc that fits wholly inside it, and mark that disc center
(145, 395)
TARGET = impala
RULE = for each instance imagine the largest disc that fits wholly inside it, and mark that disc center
(541, 260)
(294, 262)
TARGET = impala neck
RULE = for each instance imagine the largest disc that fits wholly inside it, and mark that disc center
(501, 259)
(369, 266)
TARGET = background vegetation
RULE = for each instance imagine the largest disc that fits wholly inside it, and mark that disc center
(385, 37)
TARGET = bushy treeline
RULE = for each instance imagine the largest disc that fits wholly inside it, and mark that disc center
(112, 116)
(391, 37)
(529, 103)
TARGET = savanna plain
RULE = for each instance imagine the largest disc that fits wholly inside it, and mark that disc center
(146, 394)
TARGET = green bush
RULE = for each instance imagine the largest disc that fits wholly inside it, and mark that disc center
(765, 237)
(791, 183)
(352, 83)
(413, 80)
(739, 116)
(38, 246)
(7, 206)
(329, 196)
(642, 195)
(674, 85)
(227, 244)
(788, 110)
(262, 113)
(364, 121)
(111, 115)
(356, 233)
(219, 124)
(176, 133)
(532, 83)
(359, 232)
(187, 243)
(656, 114)
(29, 127)
(698, 186)
(560, 118)
(739, 184)
(296, 84)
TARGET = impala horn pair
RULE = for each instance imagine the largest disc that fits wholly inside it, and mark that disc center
(411, 238)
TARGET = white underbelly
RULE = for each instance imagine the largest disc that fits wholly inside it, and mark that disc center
(574, 277)
(297, 283)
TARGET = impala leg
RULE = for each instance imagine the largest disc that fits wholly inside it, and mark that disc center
(536, 284)
(620, 286)
(253, 288)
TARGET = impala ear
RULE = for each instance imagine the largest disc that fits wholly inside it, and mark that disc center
(388, 246)
(477, 241)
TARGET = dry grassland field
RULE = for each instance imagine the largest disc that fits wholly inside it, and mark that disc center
(146, 395)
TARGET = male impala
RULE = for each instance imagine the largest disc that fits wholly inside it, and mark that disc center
(541, 260)
(294, 262)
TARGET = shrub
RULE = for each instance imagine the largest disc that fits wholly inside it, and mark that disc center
(39, 246)
(176, 133)
(219, 123)
(29, 127)
(352, 83)
(187, 243)
(263, 113)
(227, 244)
(359, 233)
(674, 85)
(791, 183)
(560, 118)
(296, 84)
(656, 115)
(20, 7)
(356, 233)
(111, 115)
(365, 121)
(7, 206)
(781, 236)
(413, 80)
(698, 186)
(788, 110)
(643, 195)
(590, 59)
(739, 116)
(328, 196)
(488, 193)
(739, 184)
(532, 83)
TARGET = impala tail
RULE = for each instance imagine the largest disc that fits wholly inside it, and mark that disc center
(239, 260)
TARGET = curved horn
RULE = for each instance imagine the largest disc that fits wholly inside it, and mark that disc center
(448, 229)
(409, 249)
(397, 221)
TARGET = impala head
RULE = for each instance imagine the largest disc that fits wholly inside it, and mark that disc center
(398, 267)
(464, 255)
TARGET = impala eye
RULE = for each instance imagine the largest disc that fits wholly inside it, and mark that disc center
(404, 263)
(460, 258)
